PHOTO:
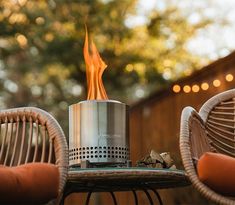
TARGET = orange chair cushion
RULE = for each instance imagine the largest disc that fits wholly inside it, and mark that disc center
(30, 183)
(217, 171)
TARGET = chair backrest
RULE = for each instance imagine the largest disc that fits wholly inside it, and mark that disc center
(218, 113)
(32, 135)
(29, 135)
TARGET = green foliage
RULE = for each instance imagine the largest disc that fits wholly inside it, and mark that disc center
(41, 44)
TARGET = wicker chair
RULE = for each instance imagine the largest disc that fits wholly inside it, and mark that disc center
(32, 135)
(212, 129)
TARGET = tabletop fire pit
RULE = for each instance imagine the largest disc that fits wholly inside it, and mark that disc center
(98, 127)
(98, 133)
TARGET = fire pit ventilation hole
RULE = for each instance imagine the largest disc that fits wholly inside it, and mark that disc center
(100, 152)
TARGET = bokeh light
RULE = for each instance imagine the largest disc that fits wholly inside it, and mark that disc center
(49, 37)
(40, 20)
(129, 67)
(187, 89)
(195, 88)
(176, 88)
(229, 77)
(216, 83)
(204, 86)
(22, 40)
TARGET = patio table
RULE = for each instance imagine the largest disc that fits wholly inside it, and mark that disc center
(110, 180)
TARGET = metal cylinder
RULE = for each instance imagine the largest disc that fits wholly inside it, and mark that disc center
(98, 132)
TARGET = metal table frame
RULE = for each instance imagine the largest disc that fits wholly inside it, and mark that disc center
(110, 180)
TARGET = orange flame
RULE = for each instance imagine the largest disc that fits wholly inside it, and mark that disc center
(95, 67)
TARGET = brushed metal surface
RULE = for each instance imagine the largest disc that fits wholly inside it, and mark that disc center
(98, 132)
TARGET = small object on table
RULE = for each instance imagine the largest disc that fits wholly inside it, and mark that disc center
(156, 160)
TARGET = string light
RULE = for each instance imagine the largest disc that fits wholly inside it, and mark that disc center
(176, 88)
(187, 89)
(229, 77)
(216, 83)
(195, 88)
(204, 86)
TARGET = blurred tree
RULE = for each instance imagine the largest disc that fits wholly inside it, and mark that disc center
(41, 44)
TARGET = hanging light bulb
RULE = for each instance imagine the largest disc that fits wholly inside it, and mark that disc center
(216, 83)
(176, 88)
(195, 88)
(204, 86)
(229, 77)
(187, 89)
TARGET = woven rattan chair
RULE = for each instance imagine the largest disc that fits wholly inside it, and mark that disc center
(32, 135)
(212, 129)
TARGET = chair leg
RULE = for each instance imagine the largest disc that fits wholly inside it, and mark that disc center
(148, 196)
(62, 200)
(114, 198)
(158, 196)
(135, 197)
(64, 196)
(88, 198)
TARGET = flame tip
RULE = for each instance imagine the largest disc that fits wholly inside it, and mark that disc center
(95, 67)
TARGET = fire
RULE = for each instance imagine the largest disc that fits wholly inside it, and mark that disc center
(95, 67)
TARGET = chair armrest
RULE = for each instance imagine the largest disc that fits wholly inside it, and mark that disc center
(193, 138)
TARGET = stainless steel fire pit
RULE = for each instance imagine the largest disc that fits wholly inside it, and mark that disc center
(98, 132)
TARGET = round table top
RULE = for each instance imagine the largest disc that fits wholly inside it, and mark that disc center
(124, 179)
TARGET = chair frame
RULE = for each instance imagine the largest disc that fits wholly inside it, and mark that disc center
(57, 140)
(195, 140)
